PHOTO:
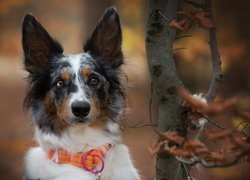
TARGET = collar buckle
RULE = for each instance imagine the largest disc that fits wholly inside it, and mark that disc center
(87, 162)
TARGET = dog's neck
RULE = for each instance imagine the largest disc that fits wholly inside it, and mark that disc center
(79, 138)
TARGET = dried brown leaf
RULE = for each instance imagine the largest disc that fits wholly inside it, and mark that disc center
(220, 134)
(219, 107)
(182, 25)
(215, 157)
(154, 148)
(186, 154)
(190, 100)
(240, 142)
(173, 137)
(191, 145)
(207, 109)
(203, 21)
(201, 151)
(172, 151)
(235, 148)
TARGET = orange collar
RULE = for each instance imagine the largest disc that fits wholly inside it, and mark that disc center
(88, 160)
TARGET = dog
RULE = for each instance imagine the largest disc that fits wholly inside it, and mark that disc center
(76, 103)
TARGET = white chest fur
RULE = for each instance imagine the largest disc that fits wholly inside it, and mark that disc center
(118, 163)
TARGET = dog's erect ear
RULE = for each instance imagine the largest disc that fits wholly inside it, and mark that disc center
(38, 46)
(106, 39)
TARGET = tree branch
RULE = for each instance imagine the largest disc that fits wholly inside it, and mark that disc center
(185, 36)
(234, 160)
(217, 76)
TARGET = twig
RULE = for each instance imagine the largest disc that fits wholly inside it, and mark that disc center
(226, 129)
(177, 49)
(145, 125)
(150, 102)
(164, 17)
(140, 125)
(230, 163)
(214, 123)
(217, 76)
(235, 158)
(187, 171)
(150, 109)
(198, 109)
(185, 36)
(195, 3)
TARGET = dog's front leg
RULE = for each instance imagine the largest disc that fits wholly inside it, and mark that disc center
(119, 165)
(126, 173)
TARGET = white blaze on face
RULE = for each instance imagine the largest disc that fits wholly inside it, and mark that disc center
(75, 62)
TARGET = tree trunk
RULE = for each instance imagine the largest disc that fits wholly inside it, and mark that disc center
(159, 45)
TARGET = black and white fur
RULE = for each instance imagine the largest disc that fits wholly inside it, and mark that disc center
(76, 101)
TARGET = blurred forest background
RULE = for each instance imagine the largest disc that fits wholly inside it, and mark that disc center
(71, 23)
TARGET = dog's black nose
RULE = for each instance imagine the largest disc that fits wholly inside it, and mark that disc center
(80, 108)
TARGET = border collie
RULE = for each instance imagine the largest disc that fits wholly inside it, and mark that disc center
(76, 103)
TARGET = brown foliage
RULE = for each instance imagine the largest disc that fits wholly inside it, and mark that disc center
(155, 148)
(203, 20)
(211, 109)
(173, 137)
(182, 25)
(192, 151)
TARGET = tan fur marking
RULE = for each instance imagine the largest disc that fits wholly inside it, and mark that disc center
(86, 72)
(48, 103)
(50, 107)
(63, 111)
(98, 124)
(101, 121)
(66, 75)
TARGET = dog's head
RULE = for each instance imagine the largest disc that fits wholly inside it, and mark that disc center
(83, 88)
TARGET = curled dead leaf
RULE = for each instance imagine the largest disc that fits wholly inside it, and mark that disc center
(204, 21)
(218, 107)
(182, 25)
(191, 145)
(173, 137)
(215, 157)
(201, 151)
(154, 148)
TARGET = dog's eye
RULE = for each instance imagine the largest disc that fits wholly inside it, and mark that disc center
(93, 81)
(59, 83)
